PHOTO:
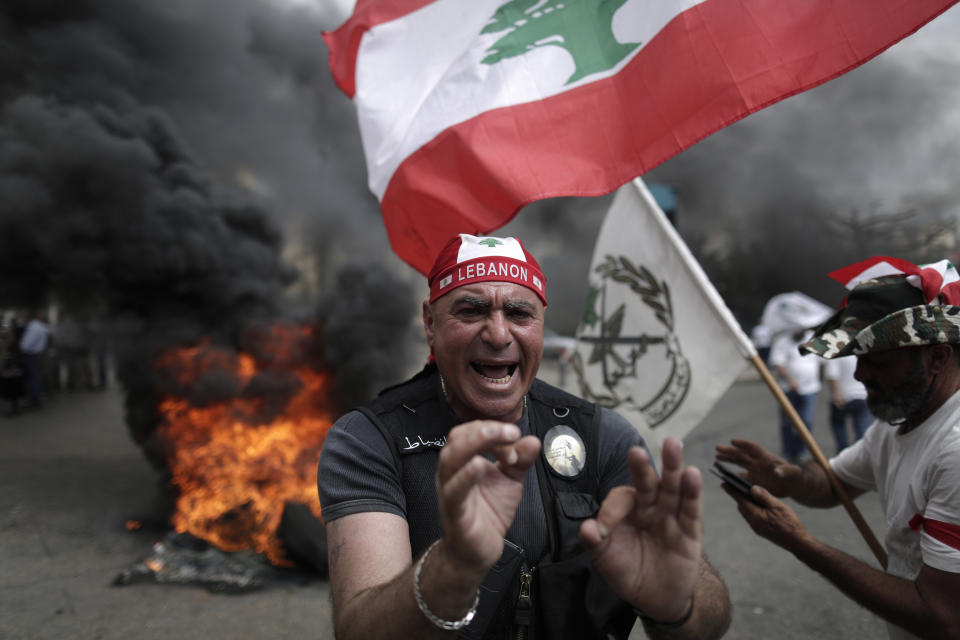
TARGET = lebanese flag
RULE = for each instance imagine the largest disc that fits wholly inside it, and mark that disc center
(471, 109)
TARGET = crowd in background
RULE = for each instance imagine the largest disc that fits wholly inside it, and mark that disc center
(800, 378)
(40, 357)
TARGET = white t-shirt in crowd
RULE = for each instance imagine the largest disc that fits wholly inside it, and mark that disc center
(841, 370)
(803, 369)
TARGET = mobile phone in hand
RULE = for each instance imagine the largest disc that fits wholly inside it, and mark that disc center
(732, 479)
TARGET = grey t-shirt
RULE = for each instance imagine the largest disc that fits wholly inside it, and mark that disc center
(357, 474)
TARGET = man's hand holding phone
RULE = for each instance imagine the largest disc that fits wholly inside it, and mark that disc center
(761, 467)
(734, 481)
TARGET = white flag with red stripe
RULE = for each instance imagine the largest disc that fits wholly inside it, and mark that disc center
(471, 109)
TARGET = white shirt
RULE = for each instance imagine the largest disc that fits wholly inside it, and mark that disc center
(34, 339)
(841, 371)
(916, 473)
(761, 336)
(804, 370)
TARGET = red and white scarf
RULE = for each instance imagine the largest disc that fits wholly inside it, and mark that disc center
(939, 281)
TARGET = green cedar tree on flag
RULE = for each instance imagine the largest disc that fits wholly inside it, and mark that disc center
(656, 341)
(471, 109)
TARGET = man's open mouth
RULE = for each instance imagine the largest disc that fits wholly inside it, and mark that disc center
(496, 373)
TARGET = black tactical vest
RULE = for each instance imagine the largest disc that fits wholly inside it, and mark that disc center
(516, 600)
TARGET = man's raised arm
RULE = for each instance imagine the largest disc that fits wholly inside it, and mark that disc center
(379, 592)
(647, 541)
(925, 606)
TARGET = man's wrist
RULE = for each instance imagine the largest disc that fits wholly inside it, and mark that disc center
(459, 570)
(675, 624)
(448, 625)
(804, 546)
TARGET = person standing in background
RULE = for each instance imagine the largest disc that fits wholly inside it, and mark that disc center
(800, 381)
(35, 339)
(849, 400)
(761, 336)
(74, 352)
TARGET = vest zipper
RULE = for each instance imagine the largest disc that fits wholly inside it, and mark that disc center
(524, 608)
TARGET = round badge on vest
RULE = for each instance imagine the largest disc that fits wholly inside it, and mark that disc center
(564, 451)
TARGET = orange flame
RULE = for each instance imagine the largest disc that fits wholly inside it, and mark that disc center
(235, 472)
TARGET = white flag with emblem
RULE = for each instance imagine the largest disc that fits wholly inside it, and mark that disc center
(656, 342)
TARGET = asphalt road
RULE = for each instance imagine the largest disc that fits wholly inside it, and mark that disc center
(70, 478)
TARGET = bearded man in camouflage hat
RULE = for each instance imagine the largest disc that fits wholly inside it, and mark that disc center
(902, 323)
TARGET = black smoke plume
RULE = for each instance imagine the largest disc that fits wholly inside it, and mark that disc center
(153, 158)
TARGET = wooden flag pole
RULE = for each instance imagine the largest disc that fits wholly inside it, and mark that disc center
(807, 438)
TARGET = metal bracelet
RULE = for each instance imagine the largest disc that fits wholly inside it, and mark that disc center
(425, 610)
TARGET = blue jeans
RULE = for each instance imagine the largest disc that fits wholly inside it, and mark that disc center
(791, 443)
(858, 412)
(34, 377)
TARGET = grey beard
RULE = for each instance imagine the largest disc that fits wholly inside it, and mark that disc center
(904, 402)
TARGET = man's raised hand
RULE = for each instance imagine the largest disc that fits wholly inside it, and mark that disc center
(646, 540)
(477, 497)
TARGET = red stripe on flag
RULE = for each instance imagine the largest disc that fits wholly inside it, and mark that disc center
(344, 42)
(733, 57)
(946, 532)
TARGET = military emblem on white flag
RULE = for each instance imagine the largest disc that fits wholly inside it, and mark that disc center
(618, 342)
(656, 342)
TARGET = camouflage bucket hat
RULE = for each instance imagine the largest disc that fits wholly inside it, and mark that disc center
(881, 314)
